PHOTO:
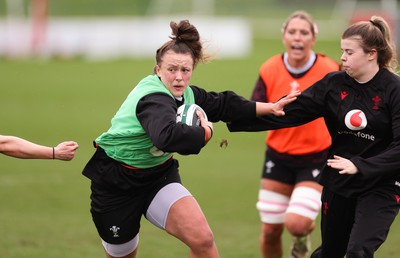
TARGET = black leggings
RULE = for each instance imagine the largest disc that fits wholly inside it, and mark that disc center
(356, 227)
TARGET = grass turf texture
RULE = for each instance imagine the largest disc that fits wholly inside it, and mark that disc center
(45, 203)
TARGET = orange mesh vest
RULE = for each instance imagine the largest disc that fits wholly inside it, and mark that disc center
(308, 138)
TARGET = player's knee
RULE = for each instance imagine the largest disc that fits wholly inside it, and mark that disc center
(298, 225)
(120, 250)
(203, 241)
(272, 206)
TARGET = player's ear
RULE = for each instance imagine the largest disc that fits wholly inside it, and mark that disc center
(372, 54)
(157, 70)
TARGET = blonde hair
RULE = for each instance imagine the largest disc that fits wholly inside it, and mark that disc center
(304, 16)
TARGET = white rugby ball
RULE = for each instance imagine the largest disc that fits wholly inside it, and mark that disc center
(186, 114)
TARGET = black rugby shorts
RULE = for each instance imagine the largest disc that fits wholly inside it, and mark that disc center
(292, 169)
(120, 195)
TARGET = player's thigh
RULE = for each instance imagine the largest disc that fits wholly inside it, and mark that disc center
(305, 200)
(337, 220)
(276, 186)
(273, 200)
(159, 208)
(187, 222)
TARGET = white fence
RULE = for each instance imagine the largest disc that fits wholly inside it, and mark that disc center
(105, 38)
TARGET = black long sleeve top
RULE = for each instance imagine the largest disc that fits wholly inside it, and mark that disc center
(157, 115)
(363, 121)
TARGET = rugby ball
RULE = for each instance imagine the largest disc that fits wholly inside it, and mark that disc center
(186, 114)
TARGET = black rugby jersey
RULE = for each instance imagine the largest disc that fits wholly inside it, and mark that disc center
(363, 121)
(157, 112)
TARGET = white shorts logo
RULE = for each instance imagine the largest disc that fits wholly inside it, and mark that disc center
(355, 120)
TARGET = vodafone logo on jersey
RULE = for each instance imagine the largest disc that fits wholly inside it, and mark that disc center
(355, 120)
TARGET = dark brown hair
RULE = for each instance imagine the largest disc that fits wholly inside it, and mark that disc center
(185, 39)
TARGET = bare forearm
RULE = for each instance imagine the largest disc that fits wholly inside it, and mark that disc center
(20, 148)
(23, 149)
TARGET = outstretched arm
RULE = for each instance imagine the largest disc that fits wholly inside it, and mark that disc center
(23, 149)
(276, 108)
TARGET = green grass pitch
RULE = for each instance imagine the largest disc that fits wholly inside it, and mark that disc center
(45, 204)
